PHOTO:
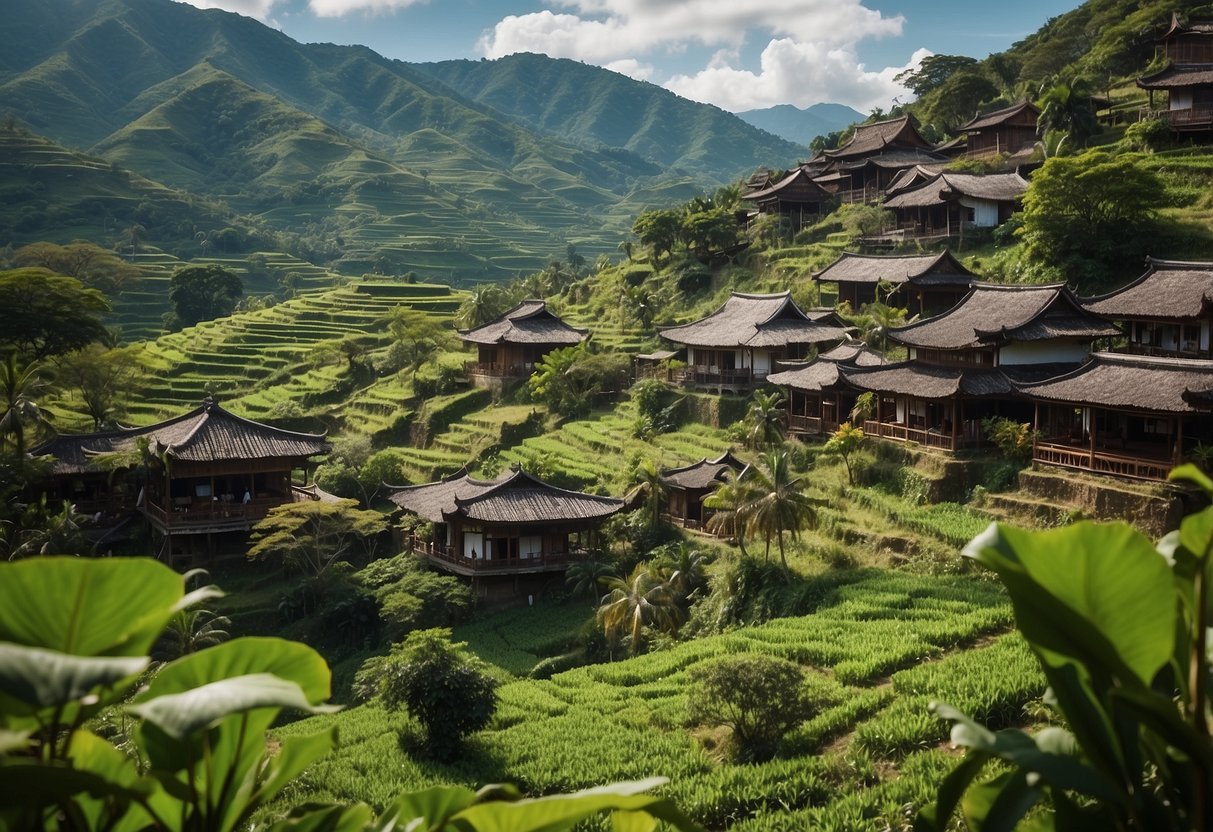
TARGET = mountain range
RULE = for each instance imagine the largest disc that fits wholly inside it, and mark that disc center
(801, 126)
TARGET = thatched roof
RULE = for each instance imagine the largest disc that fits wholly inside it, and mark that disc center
(929, 381)
(1132, 382)
(530, 322)
(703, 474)
(851, 267)
(1171, 290)
(945, 187)
(872, 138)
(747, 320)
(208, 433)
(799, 178)
(1174, 77)
(997, 117)
(514, 498)
(1195, 26)
(824, 371)
(992, 314)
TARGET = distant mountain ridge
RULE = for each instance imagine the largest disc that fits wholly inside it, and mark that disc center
(803, 125)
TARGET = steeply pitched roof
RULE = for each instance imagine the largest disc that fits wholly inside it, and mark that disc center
(515, 498)
(852, 267)
(798, 177)
(1169, 290)
(754, 321)
(874, 137)
(530, 322)
(993, 187)
(997, 117)
(1196, 26)
(208, 433)
(824, 371)
(1132, 382)
(992, 314)
(703, 474)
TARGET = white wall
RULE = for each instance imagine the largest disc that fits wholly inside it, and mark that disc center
(1043, 352)
(473, 540)
(530, 546)
(985, 213)
(762, 362)
(1181, 99)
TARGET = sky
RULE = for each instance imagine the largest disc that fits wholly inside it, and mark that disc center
(736, 54)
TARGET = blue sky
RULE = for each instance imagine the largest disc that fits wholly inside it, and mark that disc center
(737, 54)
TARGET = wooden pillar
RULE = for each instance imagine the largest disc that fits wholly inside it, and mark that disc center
(955, 423)
(1179, 439)
(1035, 427)
(1091, 460)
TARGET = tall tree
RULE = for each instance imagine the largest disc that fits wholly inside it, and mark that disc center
(94, 266)
(651, 488)
(420, 336)
(1067, 109)
(43, 313)
(101, 377)
(312, 536)
(764, 422)
(485, 303)
(645, 599)
(659, 230)
(731, 503)
(932, 72)
(780, 505)
(202, 293)
(21, 387)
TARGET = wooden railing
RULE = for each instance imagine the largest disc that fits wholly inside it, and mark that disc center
(711, 375)
(1100, 461)
(540, 562)
(1134, 348)
(904, 433)
(804, 424)
(481, 368)
(1180, 119)
(214, 512)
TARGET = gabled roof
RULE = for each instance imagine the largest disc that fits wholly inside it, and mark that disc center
(875, 137)
(912, 176)
(1132, 382)
(799, 177)
(530, 322)
(515, 497)
(997, 117)
(754, 321)
(1177, 76)
(824, 371)
(852, 267)
(992, 314)
(208, 433)
(1195, 26)
(993, 187)
(703, 474)
(1169, 290)
(929, 381)
(953, 147)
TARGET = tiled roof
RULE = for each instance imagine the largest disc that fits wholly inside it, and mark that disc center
(799, 175)
(208, 433)
(703, 474)
(515, 497)
(754, 321)
(1169, 290)
(995, 187)
(1132, 382)
(929, 381)
(992, 314)
(996, 117)
(530, 322)
(823, 372)
(1177, 76)
(871, 138)
(851, 267)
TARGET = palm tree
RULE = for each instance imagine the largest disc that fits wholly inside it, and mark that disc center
(20, 386)
(781, 504)
(764, 420)
(645, 599)
(880, 318)
(484, 304)
(189, 631)
(586, 575)
(650, 487)
(1067, 110)
(684, 571)
(730, 503)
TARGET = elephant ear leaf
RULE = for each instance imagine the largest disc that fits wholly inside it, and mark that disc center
(33, 679)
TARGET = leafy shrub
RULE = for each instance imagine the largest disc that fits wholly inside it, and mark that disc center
(1149, 136)
(1013, 439)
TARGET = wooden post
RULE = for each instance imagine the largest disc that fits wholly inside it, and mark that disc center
(955, 422)
(1091, 459)
(1179, 439)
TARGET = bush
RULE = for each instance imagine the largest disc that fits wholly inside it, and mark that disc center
(442, 686)
(1149, 136)
(760, 697)
(1013, 439)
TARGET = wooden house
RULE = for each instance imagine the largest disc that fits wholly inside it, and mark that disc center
(737, 346)
(921, 283)
(514, 524)
(1187, 79)
(689, 485)
(965, 364)
(947, 205)
(795, 196)
(1131, 416)
(1007, 130)
(862, 168)
(509, 347)
(201, 474)
(819, 399)
(1168, 311)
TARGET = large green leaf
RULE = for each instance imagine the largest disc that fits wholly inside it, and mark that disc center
(87, 607)
(38, 678)
(431, 806)
(288, 660)
(306, 818)
(181, 714)
(295, 755)
(1089, 591)
(560, 812)
(1190, 473)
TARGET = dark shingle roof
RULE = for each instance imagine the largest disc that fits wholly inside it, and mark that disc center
(754, 321)
(992, 314)
(1169, 290)
(703, 474)
(208, 433)
(1177, 76)
(798, 176)
(515, 497)
(929, 381)
(823, 372)
(871, 138)
(1132, 382)
(995, 187)
(996, 117)
(851, 267)
(530, 322)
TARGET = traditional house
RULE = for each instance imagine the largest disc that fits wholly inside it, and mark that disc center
(509, 347)
(514, 524)
(922, 283)
(736, 346)
(861, 169)
(689, 485)
(1187, 79)
(819, 399)
(1168, 311)
(202, 474)
(1005, 131)
(795, 196)
(966, 364)
(948, 204)
(1129, 415)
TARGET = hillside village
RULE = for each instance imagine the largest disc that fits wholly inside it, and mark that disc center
(765, 422)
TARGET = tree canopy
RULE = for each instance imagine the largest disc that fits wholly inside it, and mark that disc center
(43, 313)
(92, 265)
(202, 293)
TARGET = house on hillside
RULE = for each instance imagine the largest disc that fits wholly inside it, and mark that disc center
(515, 524)
(1168, 311)
(947, 205)
(736, 347)
(819, 399)
(966, 364)
(795, 196)
(924, 284)
(1008, 130)
(195, 478)
(690, 484)
(1187, 79)
(861, 169)
(508, 348)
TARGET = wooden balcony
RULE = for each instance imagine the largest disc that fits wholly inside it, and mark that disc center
(1194, 118)
(1102, 461)
(903, 433)
(807, 425)
(733, 379)
(186, 515)
(480, 368)
(444, 557)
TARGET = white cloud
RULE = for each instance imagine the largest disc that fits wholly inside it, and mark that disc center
(259, 9)
(632, 68)
(340, 8)
(798, 73)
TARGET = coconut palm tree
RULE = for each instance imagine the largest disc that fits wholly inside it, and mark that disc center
(189, 631)
(650, 487)
(684, 570)
(764, 421)
(586, 575)
(484, 304)
(645, 599)
(1067, 110)
(21, 387)
(780, 505)
(730, 503)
